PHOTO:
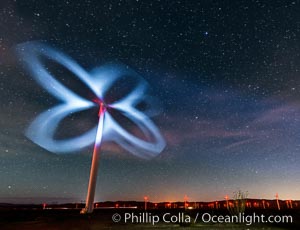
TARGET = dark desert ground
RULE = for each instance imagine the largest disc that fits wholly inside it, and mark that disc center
(64, 217)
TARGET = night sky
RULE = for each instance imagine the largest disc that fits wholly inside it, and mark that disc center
(227, 74)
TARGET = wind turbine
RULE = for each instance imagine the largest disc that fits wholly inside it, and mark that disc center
(277, 201)
(42, 130)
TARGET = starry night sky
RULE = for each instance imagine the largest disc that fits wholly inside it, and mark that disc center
(226, 73)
